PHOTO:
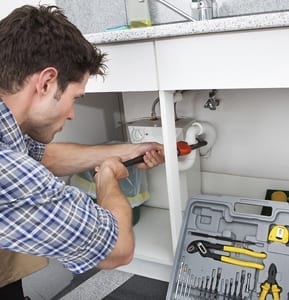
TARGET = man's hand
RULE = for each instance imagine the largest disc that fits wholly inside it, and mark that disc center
(153, 154)
(112, 167)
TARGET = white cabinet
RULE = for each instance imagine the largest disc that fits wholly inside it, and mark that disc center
(130, 67)
(232, 60)
(244, 59)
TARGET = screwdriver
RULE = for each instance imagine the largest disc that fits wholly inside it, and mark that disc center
(183, 148)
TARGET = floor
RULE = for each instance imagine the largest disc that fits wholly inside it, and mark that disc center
(140, 288)
(75, 283)
(116, 285)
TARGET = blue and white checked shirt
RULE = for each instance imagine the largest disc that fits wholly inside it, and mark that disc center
(41, 215)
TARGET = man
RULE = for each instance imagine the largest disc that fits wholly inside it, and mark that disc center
(45, 63)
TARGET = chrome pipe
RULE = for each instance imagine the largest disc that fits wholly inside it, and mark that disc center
(177, 10)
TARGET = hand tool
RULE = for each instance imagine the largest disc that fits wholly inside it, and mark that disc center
(221, 238)
(221, 288)
(236, 286)
(225, 290)
(191, 286)
(242, 281)
(179, 278)
(212, 281)
(205, 249)
(270, 285)
(247, 286)
(230, 288)
(183, 148)
(195, 282)
(184, 271)
(202, 287)
(279, 233)
(218, 277)
(199, 283)
(206, 286)
(187, 282)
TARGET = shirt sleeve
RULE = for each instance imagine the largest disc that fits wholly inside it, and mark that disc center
(41, 215)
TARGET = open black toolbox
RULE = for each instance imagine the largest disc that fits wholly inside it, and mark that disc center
(234, 224)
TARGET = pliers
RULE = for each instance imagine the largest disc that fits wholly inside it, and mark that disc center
(206, 249)
(270, 285)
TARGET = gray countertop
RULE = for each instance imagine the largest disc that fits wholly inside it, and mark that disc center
(251, 22)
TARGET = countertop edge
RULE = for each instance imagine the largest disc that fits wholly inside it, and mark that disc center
(251, 22)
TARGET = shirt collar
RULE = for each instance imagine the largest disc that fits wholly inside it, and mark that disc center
(11, 136)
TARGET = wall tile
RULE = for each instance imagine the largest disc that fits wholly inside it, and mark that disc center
(94, 16)
(98, 15)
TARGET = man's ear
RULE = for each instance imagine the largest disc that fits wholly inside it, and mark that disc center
(46, 80)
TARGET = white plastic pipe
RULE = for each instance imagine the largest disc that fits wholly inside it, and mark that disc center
(187, 161)
(210, 136)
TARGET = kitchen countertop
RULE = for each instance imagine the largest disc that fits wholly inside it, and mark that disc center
(250, 22)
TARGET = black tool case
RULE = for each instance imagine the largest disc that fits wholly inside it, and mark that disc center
(230, 221)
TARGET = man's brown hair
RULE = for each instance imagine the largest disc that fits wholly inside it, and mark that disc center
(33, 38)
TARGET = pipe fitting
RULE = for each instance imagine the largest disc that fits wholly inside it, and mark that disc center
(186, 162)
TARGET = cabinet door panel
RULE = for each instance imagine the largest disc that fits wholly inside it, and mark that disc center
(131, 67)
(245, 59)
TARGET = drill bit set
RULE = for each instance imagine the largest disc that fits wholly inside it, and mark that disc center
(213, 286)
(228, 254)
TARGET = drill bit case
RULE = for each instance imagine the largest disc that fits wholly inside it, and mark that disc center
(225, 252)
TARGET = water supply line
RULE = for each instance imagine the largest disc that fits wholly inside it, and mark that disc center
(212, 102)
(210, 134)
(176, 10)
(153, 111)
(178, 97)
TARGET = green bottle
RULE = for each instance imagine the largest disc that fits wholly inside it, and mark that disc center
(138, 13)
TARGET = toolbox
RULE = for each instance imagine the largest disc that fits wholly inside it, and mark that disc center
(229, 250)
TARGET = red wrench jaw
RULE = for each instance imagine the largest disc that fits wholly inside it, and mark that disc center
(183, 148)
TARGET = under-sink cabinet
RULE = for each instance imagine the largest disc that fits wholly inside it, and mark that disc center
(231, 60)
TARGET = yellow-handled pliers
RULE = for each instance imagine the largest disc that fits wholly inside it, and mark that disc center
(206, 248)
(270, 285)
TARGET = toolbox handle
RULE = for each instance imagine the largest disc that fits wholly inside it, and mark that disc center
(240, 207)
(252, 209)
(260, 209)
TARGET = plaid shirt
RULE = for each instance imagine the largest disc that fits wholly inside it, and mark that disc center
(41, 215)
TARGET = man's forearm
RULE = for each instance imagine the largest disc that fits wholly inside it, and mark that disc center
(64, 159)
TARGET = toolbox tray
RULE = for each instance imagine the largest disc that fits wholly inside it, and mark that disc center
(228, 218)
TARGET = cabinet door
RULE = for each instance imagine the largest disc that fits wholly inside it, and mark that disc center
(130, 67)
(244, 59)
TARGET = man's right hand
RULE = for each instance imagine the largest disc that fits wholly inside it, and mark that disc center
(110, 196)
(113, 165)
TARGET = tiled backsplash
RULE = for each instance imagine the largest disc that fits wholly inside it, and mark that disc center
(94, 16)
(243, 7)
(98, 15)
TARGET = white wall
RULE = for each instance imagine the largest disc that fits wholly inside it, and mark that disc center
(98, 119)
(8, 6)
(252, 129)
